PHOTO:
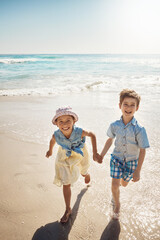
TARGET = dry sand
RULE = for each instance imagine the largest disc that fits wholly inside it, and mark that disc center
(29, 200)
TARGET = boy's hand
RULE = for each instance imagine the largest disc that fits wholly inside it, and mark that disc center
(48, 154)
(97, 158)
(136, 176)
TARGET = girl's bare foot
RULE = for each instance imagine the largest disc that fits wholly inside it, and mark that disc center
(87, 178)
(66, 216)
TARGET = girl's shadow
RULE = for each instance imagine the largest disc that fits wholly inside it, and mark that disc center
(56, 230)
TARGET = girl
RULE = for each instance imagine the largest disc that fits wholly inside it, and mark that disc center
(72, 157)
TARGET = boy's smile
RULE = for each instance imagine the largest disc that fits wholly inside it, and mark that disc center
(128, 108)
(65, 124)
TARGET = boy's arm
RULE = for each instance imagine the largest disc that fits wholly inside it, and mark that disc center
(93, 141)
(136, 174)
(106, 147)
(51, 145)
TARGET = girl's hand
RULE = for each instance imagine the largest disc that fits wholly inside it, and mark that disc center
(97, 158)
(136, 176)
(48, 154)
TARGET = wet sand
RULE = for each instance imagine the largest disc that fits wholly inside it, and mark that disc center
(31, 205)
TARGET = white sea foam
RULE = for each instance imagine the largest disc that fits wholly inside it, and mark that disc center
(60, 90)
(110, 83)
(89, 86)
(17, 60)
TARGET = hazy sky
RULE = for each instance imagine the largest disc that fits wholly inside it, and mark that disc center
(79, 26)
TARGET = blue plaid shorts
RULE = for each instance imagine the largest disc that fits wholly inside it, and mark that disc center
(122, 169)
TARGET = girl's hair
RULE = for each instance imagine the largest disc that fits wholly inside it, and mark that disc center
(129, 93)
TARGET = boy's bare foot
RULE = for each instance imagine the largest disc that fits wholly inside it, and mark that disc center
(87, 178)
(66, 216)
(116, 212)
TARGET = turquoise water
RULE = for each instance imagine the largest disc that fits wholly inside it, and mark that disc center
(60, 74)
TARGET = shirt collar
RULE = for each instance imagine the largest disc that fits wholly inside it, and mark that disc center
(133, 121)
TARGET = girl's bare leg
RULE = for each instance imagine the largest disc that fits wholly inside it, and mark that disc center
(67, 199)
(87, 178)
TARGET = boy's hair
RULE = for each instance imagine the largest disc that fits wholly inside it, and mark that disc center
(129, 93)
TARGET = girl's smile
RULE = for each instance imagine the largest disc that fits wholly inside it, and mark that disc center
(65, 124)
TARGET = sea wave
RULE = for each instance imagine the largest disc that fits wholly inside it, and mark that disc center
(52, 91)
(150, 83)
(17, 60)
(91, 85)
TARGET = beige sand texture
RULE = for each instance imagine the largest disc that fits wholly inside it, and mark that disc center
(32, 205)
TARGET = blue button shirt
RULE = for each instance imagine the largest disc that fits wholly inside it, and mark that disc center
(74, 143)
(128, 139)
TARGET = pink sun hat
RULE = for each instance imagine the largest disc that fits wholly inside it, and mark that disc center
(64, 111)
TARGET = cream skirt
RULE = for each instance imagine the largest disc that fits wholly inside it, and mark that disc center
(68, 169)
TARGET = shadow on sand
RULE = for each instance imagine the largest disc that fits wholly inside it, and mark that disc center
(112, 231)
(56, 230)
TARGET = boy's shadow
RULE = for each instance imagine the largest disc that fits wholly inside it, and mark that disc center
(112, 231)
(56, 230)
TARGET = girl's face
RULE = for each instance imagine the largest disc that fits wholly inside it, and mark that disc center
(65, 124)
(128, 107)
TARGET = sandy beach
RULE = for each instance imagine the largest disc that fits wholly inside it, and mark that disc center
(31, 206)
(78, 54)
(29, 200)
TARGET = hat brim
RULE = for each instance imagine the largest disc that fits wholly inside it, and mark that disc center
(70, 113)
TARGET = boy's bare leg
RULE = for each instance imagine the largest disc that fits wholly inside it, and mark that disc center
(123, 183)
(116, 194)
(67, 199)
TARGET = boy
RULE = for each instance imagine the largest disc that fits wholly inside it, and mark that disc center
(130, 144)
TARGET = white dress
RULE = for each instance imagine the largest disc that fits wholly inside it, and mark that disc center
(68, 169)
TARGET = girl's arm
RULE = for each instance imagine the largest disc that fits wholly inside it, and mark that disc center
(93, 141)
(136, 174)
(106, 147)
(51, 145)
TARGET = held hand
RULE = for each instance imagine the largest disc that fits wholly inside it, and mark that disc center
(136, 176)
(97, 158)
(48, 154)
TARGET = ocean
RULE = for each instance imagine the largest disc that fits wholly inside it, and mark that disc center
(58, 74)
(32, 87)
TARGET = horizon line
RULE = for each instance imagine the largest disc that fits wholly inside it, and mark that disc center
(79, 53)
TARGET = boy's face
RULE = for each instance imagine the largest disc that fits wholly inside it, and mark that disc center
(128, 107)
(65, 124)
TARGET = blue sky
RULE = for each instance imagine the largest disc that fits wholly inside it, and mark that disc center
(80, 26)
